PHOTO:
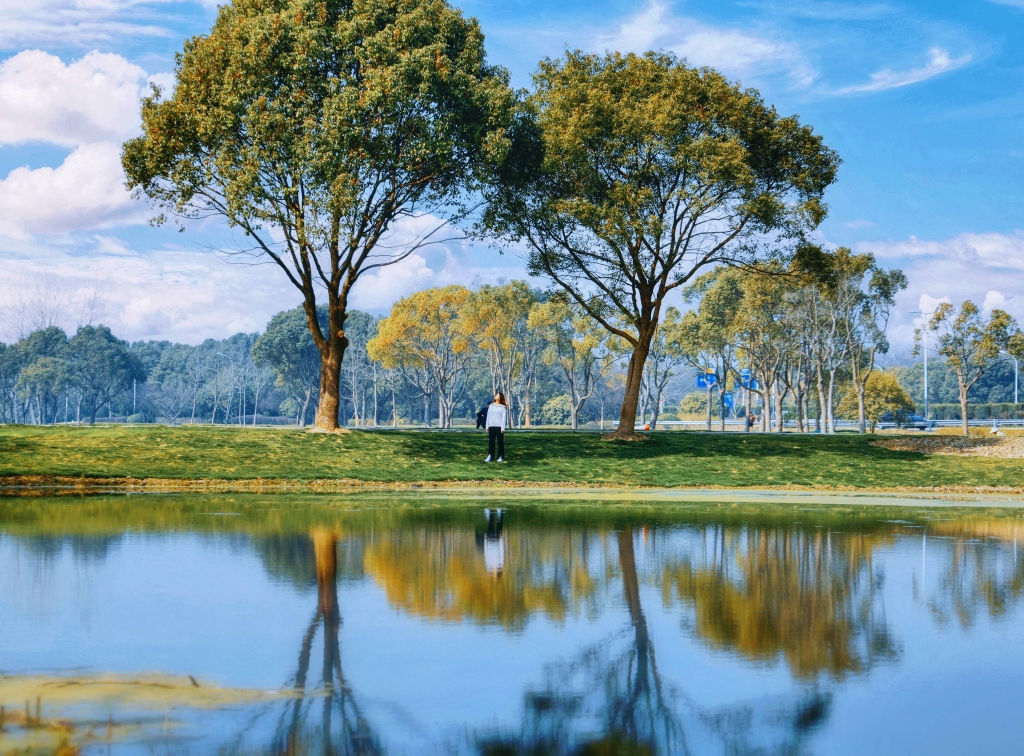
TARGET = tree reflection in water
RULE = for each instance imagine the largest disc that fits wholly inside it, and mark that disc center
(974, 576)
(327, 718)
(611, 699)
(808, 596)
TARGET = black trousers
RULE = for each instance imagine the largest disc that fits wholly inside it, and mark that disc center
(494, 433)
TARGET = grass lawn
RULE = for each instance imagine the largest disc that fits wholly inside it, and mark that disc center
(667, 459)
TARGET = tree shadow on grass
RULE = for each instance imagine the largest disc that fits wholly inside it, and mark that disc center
(536, 448)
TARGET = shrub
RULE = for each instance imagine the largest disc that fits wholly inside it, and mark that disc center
(882, 394)
(557, 410)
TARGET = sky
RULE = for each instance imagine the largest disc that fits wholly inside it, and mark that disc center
(924, 102)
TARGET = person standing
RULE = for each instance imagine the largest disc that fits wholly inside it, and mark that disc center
(497, 418)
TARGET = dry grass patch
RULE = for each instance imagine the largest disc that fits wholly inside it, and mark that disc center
(1009, 447)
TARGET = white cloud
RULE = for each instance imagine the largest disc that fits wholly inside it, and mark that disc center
(94, 99)
(30, 23)
(91, 105)
(85, 191)
(190, 295)
(993, 300)
(734, 52)
(939, 62)
(953, 270)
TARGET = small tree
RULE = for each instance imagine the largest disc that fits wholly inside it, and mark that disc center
(863, 295)
(970, 344)
(424, 337)
(882, 395)
(103, 367)
(317, 126)
(497, 316)
(574, 343)
(288, 349)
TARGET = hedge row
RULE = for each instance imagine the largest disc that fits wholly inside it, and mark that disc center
(1001, 411)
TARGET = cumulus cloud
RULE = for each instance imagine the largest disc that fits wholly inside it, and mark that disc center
(734, 52)
(90, 105)
(86, 191)
(94, 99)
(952, 270)
(939, 62)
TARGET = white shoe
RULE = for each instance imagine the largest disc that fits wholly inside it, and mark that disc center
(488, 458)
(501, 459)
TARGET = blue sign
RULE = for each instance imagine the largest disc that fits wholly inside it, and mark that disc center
(706, 380)
(745, 376)
(727, 399)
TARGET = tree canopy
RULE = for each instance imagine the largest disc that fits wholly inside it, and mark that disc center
(631, 173)
(316, 127)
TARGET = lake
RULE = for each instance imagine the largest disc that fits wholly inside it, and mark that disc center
(440, 622)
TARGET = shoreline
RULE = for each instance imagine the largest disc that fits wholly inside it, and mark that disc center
(46, 485)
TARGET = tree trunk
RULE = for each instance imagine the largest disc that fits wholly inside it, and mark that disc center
(708, 408)
(963, 411)
(634, 380)
(830, 422)
(330, 385)
(861, 410)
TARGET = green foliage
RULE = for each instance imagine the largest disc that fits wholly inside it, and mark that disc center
(288, 349)
(327, 121)
(104, 366)
(882, 394)
(970, 344)
(694, 403)
(633, 172)
(557, 410)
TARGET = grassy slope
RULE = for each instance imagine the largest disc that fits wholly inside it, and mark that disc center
(667, 459)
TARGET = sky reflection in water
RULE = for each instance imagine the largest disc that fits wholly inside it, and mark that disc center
(421, 626)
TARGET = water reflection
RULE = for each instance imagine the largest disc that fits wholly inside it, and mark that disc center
(810, 596)
(706, 630)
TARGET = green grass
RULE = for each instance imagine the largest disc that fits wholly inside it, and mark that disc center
(666, 459)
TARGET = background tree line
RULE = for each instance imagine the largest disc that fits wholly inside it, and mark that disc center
(804, 344)
(809, 337)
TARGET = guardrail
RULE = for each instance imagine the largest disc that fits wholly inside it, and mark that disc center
(734, 424)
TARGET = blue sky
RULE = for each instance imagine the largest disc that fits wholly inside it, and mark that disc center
(923, 100)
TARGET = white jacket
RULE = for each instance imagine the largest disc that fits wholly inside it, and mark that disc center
(497, 415)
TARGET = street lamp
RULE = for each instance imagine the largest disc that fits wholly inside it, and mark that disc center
(1016, 372)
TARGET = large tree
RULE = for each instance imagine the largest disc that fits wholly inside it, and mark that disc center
(632, 173)
(317, 127)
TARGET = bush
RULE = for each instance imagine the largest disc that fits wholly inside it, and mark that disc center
(557, 410)
(694, 403)
(882, 394)
(1000, 411)
(138, 417)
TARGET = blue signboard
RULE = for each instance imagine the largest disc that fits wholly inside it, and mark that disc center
(706, 380)
(727, 399)
(745, 376)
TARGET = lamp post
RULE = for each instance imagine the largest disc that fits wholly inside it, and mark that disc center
(1016, 372)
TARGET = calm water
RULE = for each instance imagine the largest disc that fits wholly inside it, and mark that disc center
(364, 624)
